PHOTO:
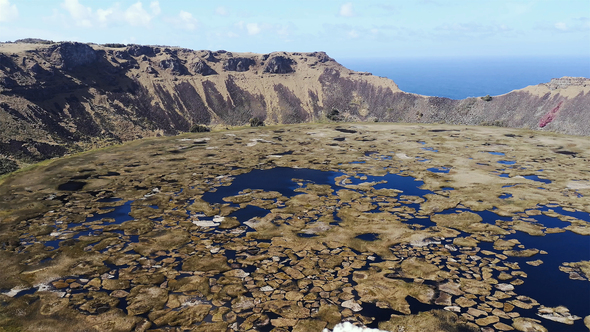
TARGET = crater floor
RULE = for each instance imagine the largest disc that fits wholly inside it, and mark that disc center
(301, 227)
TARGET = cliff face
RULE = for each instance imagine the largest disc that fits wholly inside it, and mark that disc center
(67, 97)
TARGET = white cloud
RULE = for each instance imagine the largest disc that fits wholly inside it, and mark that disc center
(187, 21)
(574, 25)
(81, 15)
(135, 15)
(155, 7)
(221, 11)
(472, 30)
(561, 26)
(103, 16)
(253, 29)
(353, 34)
(346, 10)
(282, 30)
(8, 12)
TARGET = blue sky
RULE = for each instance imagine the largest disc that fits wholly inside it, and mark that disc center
(344, 29)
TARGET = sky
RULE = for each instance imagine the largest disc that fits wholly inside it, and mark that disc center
(343, 29)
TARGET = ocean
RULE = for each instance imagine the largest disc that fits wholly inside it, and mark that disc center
(459, 78)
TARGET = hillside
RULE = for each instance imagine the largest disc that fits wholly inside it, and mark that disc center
(59, 98)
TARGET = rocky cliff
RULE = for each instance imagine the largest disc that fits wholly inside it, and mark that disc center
(62, 97)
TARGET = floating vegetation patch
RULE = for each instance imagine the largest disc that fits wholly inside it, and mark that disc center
(295, 234)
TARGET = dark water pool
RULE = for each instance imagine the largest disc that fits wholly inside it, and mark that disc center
(536, 178)
(368, 237)
(71, 186)
(506, 162)
(120, 214)
(430, 149)
(576, 214)
(248, 213)
(276, 179)
(407, 184)
(439, 169)
(545, 283)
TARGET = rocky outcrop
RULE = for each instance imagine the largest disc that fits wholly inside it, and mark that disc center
(57, 98)
(210, 57)
(238, 64)
(279, 65)
(174, 66)
(564, 82)
(71, 55)
(139, 50)
(203, 69)
(322, 57)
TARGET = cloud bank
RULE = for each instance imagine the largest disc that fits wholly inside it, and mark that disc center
(134, 15)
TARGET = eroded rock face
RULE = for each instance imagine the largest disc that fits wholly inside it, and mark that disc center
(564, 82)
(139, 50)
(202, 68)
(124, 55)
(210, 57)
(322, 57)
(238, 64)
(70, 55)
(145, 91)
(280, 65)
(173, 65)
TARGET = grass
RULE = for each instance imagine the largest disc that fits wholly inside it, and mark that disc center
(26, 168)
(47, 162)
(227, 128)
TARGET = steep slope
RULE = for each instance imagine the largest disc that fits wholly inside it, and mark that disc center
(64, 97)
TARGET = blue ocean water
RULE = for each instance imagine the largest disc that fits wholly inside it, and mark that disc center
(459, 78)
